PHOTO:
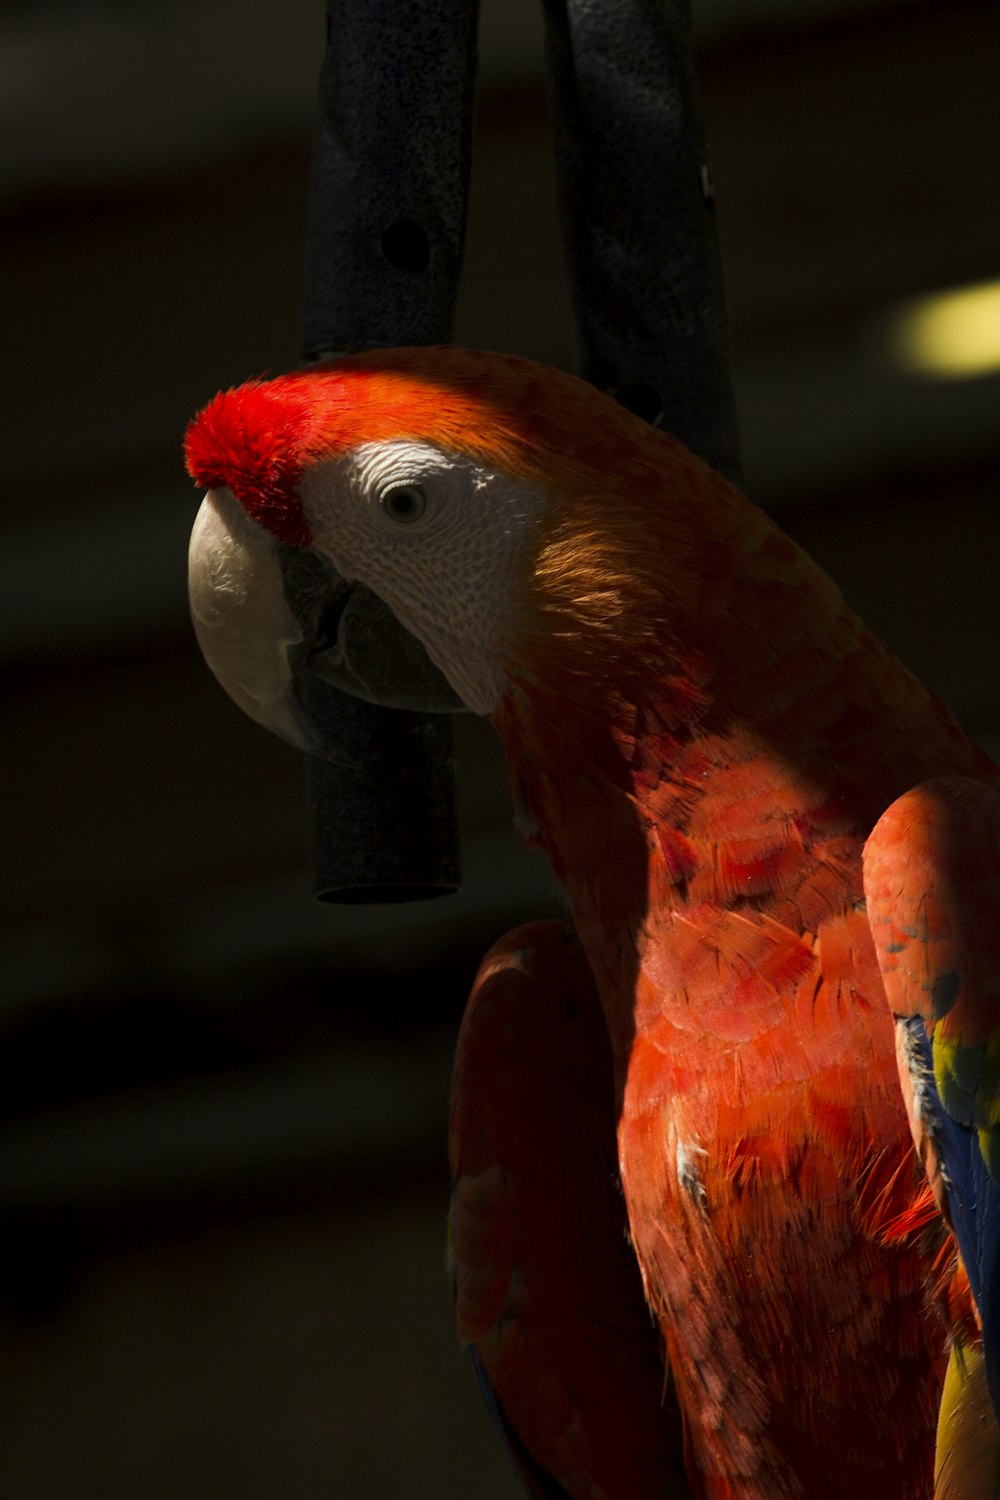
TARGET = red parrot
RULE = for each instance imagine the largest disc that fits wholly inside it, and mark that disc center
(701, 736)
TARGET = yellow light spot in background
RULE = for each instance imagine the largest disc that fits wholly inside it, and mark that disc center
(949, 335)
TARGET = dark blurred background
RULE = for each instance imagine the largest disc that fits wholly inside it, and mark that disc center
(222, 1159)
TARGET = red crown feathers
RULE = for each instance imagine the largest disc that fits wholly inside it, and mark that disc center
(255, 440)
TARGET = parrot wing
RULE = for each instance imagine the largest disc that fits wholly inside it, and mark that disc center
(548, 1290)
(932, 885)
(967, 1464)
(536, 1483)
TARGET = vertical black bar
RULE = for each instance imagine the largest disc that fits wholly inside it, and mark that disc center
(386, 229)
(639, 217)
(390, 173)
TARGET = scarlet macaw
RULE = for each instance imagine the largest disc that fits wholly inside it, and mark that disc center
(701, 736)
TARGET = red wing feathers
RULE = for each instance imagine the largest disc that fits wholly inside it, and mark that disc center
(547, 1286)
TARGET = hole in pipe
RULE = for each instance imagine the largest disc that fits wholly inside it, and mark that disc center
(405, 246)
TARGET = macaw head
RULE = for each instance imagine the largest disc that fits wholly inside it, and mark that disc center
(425, 527)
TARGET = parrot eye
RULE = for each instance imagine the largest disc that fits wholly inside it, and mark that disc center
(405, 503)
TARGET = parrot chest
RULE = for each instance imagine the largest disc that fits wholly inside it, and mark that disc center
(763, 1149)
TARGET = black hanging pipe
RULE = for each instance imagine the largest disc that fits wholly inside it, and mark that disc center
(387, 225)
(386, 230)
(638, 216)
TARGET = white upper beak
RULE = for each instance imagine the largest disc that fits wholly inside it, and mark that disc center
(242, 618)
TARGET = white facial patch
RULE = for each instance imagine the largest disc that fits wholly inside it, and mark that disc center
(440, 538)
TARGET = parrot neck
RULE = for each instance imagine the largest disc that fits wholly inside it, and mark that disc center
(686, 657)
(733, 757)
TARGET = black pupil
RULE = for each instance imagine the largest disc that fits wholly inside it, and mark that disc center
(404, 503)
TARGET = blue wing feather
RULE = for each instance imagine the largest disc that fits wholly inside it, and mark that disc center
(972, 1196)
(533, 1480)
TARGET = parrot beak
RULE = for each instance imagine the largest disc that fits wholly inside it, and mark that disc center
(242, 620)
(273, 622)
